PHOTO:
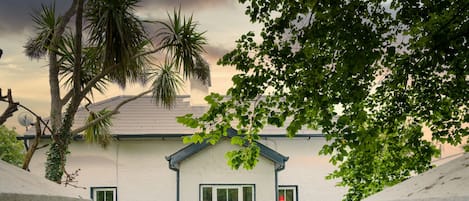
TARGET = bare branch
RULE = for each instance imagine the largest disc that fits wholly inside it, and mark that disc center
(12, 106)
(113, 112)
(33, 147)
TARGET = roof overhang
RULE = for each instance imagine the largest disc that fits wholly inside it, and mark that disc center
(169, 135)
(176, 158)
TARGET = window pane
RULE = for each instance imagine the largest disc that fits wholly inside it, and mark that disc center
(286, 194)
(227, 192)
(289, 195)
(247, 193)
(109, 196)
(99, 195)
(233, 194)
(207, 193)
(222, 194)
(281, 195)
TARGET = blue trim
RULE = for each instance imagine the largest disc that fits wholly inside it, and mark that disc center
(276, 185)
(169, 135)
(177, 185)
(177, 180)
(175, 158)
(92, 189)
(184, 153)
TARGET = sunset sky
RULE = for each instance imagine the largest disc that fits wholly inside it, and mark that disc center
(223, 20)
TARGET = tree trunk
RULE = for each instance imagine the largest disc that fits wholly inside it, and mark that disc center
(56, 105)
(57, 155)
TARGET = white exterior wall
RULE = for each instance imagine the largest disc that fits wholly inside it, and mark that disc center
(209, 166)
(137, 168)
(143, 170)
(306, 169)
(140, 172)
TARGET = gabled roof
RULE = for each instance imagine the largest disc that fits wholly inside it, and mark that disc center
(188, 151)
(143, 118)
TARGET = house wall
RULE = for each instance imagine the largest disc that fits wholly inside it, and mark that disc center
(140, 172)
(137, 168)
(306, 169)
(209, 166)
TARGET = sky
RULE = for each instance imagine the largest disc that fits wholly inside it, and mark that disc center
(222, 20)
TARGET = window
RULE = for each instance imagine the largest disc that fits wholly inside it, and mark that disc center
(287, 193)
(104, 193)
(217, 192)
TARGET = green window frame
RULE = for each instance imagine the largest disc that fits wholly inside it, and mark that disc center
(227, 192)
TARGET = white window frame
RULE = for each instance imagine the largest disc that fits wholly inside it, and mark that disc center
(94, 192)
(289, 187)
(227, 186)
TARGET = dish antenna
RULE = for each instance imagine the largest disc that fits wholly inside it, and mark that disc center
(25, 119)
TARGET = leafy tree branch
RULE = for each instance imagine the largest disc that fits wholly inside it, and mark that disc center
(392, 67)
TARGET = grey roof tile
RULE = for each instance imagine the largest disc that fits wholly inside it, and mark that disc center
(143, 116)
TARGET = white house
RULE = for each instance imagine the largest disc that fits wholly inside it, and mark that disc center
(147, 161)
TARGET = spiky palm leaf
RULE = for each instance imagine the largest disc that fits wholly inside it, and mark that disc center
(90, 64)
(120, 36)
(166, 84)
(201, 71)
(183, 42)
(46, 21)
(100, 132)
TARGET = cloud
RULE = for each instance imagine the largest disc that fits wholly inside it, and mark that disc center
(15, 15)
(185, 4)
(214, 53)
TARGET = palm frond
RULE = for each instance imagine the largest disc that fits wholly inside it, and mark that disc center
(89, 68)
(166, 84)
(45, 22)
(100, 132)
(202, 71)
(183, 41)
(119, 35)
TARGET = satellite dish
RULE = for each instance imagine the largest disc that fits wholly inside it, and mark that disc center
(25, 119)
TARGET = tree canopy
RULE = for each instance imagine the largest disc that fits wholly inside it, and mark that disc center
(11, 150)
(107, 43)
(392, 67)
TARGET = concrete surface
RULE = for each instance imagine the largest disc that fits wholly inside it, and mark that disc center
(19, 185)
(447, 182)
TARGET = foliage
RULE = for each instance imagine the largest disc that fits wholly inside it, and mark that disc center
(45, 20)
(91, 68)
(391, 66)
(11, 150)
(166, 84)
(119, 35)
(184, 43)
(99, 133)
(112, 47)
